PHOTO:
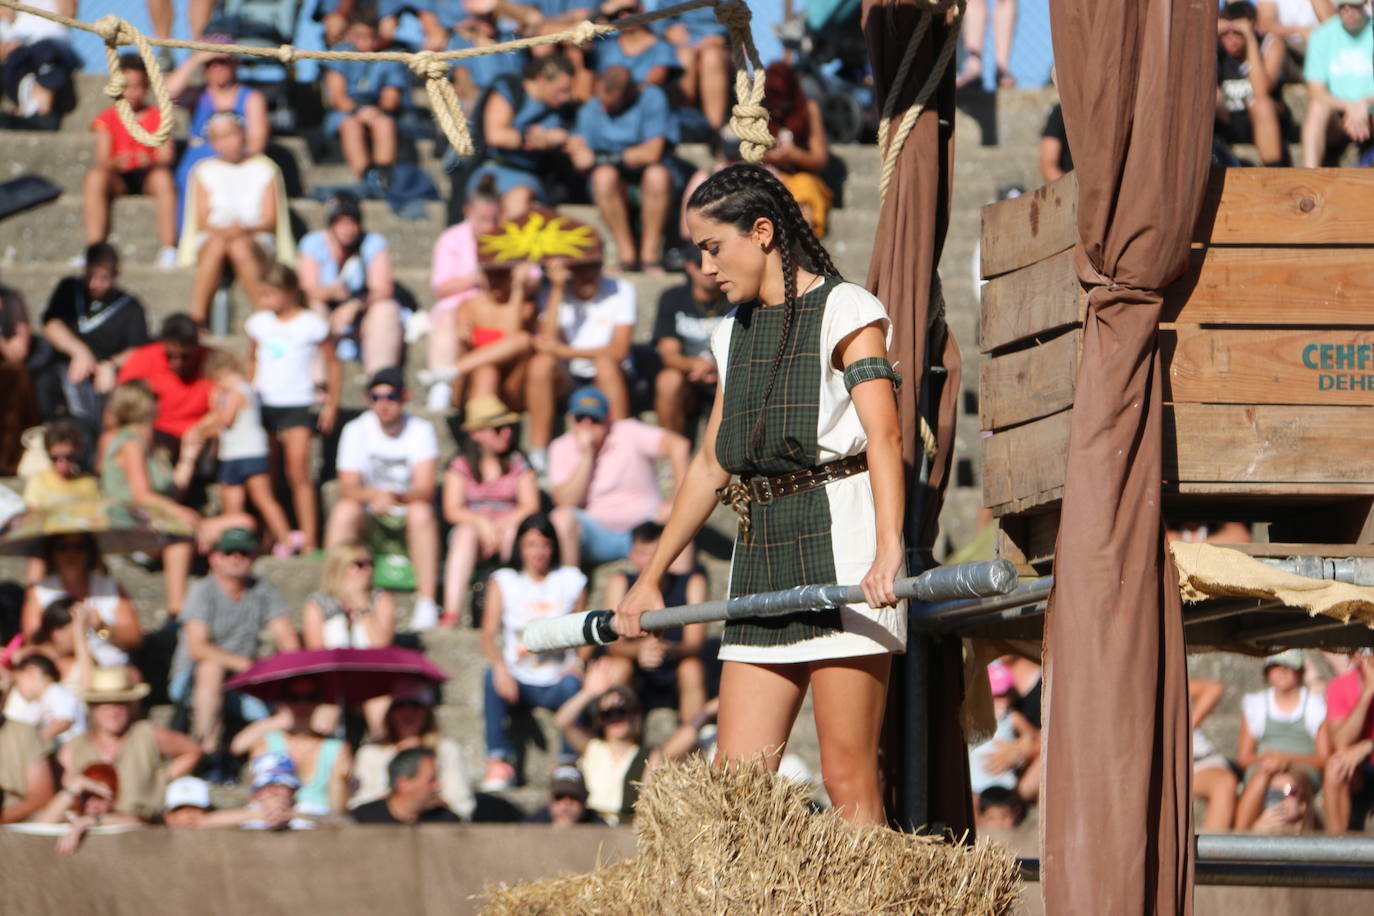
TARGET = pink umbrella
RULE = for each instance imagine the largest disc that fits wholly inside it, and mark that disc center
(346, 676)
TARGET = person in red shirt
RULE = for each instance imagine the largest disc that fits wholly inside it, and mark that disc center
(1348, 785)
(171, 365)
(124, 166)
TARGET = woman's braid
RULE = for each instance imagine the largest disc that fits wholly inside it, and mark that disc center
(789, 309)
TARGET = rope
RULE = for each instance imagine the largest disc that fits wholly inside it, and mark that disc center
(749, 119)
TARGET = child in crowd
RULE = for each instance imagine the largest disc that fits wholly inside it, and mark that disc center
(497, 341)
(995, 762)
(235, 418)
(54, 710)
(285, 340)
(999, 809)
(364, 97)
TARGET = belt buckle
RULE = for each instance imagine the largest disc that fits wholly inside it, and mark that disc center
(762, 490)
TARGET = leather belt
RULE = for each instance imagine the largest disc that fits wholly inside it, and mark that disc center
(763, 490)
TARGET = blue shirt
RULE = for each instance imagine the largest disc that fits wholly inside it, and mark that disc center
(531, 113)
(485, 70)
(647, 117)
(700, 22)
(552, 9)
(659, 54)
(354, 271)
(367, 78)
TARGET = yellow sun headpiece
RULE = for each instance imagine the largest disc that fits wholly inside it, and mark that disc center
(538, 235)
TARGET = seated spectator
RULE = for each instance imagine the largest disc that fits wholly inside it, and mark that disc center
(173, 368)
(36, 65)
(586, 326)
(85, 800)
(703, 53)
(1250, 105)
(604, 478)
(1293, 21)
(999, 809)
(536, 586)
(456, 276)
(59, 637)
(19, 411)
(387, 465)
(77, 572)
(362, 98)
(494, 335)
(472, 75)
(66, 477)
(125, 166)
(1280, 801)
(1055, 159)
(995, 763)
(975, 34)
(1348, 790)
(650, 59)
(414, 798)
(567, 800)
(1339, 70)
(1284, 723)
(613, 759)
(220, 91)
(274, 783)
(235, 216)
(186, 804)
(665, 668)
(803, 152)
(410, 723)
(235, 423)
(347, 612)
(346, 275)
(1213, 779)
(433, 15)
(26, 774)
(322, 763)
(524, 126)
(685, 386)
(489, 488)
(52, 709)
(623, 139)
(145, 755)
(225, 612)
(286, 343)
(91, 327)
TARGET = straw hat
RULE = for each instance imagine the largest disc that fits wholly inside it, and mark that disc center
(487, 411)
(111, 685)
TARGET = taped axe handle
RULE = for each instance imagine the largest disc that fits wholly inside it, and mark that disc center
(943, 583)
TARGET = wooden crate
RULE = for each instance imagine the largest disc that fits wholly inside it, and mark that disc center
(1268, 347)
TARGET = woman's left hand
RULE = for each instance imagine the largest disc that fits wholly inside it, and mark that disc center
(877, 583)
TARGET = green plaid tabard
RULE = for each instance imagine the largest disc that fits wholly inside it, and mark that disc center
(789, 542)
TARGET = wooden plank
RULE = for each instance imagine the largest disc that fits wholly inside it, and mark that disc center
(1264, 366)
(1031, 301)
(1286, 207)
(1283, 286)
(1025, 463)
(1030, 383)
(1275, 444)
(1031, 227)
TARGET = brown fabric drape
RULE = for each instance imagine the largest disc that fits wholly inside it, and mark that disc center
(1137, 80)
(901, 273)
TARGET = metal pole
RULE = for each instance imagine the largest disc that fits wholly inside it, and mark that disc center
(949, 614)
(1258, 874)
(1235, 847)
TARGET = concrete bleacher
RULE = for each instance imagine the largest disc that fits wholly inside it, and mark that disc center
(35, 247)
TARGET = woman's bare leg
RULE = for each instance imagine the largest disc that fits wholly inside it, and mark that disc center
(295, 444)
(849, 695)
(758, 706)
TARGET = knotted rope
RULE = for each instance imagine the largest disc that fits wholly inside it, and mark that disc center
(749, 119)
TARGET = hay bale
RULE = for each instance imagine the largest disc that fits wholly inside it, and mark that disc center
(735, 839)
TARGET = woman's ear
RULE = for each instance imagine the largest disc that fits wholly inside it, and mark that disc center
(762, 233)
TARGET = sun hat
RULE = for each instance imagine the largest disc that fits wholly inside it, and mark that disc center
(111, 685)
(487, 411)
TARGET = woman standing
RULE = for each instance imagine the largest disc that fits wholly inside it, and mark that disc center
(806, 403)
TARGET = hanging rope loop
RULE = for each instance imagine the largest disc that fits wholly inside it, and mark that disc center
(115, 32)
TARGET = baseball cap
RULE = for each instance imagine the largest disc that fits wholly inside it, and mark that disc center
(999, 678)
(274, 770)
(416, 690)
(1289, 658)
(391, 376)
(588, 401)
(237, 540)
(567, 782)
(343, 205)
(187, 792)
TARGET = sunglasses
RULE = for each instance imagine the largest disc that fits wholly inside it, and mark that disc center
(580, 417)
(69, 545)
(415, 704)
(564, 796)
(615, 714)
(311, 697)
(375, 396)
(236, 553)
(56, 457)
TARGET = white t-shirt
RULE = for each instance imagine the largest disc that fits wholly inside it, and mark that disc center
(587, 324)
(1259, 706)
(524, 601)
(245, 437)
(234, 191)
(1296, 13)
(103, 595)
(56, 703)
(285, 352)
(386, 462)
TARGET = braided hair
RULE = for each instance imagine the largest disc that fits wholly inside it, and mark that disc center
(741, 194)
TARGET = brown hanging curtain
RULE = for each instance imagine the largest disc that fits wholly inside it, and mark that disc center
(901, 273)
(1137, 79)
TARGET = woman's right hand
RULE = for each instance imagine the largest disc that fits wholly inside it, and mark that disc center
(641, 598)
